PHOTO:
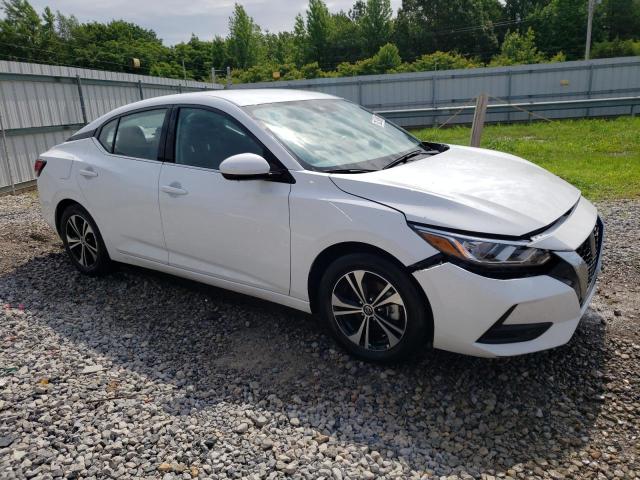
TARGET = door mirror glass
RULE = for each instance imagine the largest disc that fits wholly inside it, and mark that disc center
(245, 166)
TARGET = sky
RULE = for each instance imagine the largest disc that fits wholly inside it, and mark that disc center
(175, 20)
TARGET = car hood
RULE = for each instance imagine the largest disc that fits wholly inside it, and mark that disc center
(470, 189)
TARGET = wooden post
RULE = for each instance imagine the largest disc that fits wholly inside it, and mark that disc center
(478, 119)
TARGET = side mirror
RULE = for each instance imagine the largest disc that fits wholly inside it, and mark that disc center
(245, 166)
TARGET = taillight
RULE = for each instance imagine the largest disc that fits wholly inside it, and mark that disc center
(39, 166)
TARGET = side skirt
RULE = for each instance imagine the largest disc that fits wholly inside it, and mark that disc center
(279, 298)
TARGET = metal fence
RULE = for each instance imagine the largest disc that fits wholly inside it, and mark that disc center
(41, 105)
(556, 90)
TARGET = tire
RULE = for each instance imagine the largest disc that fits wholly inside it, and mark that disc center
(394, 320)
(83, 242)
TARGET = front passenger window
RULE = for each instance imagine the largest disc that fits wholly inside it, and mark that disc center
(205, 138)
(139, 134)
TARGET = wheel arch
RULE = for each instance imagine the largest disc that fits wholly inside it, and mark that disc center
(61, 207)
(333, 252)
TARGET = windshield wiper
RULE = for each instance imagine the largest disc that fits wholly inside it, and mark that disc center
(404, 158)
(348, 170)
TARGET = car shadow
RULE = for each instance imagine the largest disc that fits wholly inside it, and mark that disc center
(212, 345)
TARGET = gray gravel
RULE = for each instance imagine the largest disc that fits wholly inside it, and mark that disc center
(142, 375)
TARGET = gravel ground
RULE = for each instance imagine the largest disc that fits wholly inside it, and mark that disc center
(142, 375)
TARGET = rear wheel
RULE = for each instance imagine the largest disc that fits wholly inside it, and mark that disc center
(373, 308)
(83, 242)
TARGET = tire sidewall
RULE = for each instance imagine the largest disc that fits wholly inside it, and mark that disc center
(103, 262)
(416, 310)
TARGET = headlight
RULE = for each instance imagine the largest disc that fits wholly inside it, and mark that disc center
(483, 251)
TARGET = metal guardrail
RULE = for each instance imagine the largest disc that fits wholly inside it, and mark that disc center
(633, 104)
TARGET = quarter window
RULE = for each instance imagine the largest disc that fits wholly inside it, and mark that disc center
(107, 134)
(139, 134)
(205, 138)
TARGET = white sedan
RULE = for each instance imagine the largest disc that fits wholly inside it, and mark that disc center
(313, 202)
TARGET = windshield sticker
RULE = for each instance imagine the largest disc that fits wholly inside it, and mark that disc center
(376, 120)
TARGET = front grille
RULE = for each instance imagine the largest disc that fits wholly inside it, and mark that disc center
(590, 250)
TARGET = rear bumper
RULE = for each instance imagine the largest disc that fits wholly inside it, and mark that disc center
(466, 305)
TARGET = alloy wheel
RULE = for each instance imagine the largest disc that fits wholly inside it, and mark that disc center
(369, 310)
(82, 241)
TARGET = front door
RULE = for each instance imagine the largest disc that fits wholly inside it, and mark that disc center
(230, 229)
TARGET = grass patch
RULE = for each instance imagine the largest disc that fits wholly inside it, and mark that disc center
(600, 157)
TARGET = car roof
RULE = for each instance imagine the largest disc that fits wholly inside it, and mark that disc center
(256, 96)
(240, 97)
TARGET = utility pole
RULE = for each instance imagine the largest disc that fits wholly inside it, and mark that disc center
(184, 70)
(587, 47)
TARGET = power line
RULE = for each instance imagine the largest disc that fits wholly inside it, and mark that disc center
(42, 50)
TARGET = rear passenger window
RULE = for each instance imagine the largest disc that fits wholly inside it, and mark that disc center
(139, 134)
(107, 134)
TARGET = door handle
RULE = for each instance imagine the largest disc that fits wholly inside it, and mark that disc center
(172, 190)
(88, 173)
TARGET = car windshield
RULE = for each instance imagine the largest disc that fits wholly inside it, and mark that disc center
(334, 134)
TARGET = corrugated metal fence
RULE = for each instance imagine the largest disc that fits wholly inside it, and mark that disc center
(430, 98)
(41, 105)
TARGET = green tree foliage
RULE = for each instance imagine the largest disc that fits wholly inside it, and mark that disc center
(425, 34)
(521, 10)
(439, 61)
(318, 31)
(562, 25)
(619, 19)
(518, 49)
(616, 48)
(426, 26)
(375, 23)
(244, 38)
(21, 31)
(346, 42)
(300, 41)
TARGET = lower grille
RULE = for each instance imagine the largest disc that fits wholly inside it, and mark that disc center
(590, 250)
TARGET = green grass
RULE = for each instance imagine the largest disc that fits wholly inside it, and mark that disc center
(600, 157)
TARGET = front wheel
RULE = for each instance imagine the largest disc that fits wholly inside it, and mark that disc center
(373, 308)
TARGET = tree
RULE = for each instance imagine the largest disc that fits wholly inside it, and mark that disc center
(244, 38)
(619, 19)
(357, 11)
(518, 49)
(111, 46)
(20, 31)
(318, 32)
(345, 43)
(562, 25)
(219, 54)
(300, 41)
(387, 58)
(425, 26)
(439, 61)
(616, 48)
(521, 10)
(375, 22)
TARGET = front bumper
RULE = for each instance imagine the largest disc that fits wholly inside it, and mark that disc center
(475, 314)
(466, 305)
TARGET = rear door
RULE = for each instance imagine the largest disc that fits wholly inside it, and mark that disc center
(120, 184)
(234, 230)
